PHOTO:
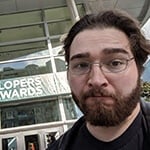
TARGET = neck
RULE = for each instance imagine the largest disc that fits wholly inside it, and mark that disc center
(110, 133)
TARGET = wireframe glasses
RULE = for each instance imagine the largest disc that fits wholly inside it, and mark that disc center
(80, 67)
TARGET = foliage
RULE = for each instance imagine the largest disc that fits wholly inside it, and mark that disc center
(146, 91)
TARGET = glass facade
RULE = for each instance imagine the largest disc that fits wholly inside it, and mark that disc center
(33, 82)
(29, 114)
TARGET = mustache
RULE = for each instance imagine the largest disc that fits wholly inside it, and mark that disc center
(98, 92)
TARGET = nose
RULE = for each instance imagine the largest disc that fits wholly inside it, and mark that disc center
(97, 78)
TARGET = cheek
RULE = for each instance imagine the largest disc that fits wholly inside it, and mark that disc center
(127, 82)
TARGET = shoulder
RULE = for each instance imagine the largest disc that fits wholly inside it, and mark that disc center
(66, 138)
(145, 106)
(53, 146)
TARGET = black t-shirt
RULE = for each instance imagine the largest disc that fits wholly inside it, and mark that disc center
(132, 139)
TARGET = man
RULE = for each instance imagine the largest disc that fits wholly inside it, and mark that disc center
(105, 55)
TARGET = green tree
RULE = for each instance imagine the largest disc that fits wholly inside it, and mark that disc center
(146, 91)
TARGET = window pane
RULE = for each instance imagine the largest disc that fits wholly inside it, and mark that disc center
(57, 13)
(60, 64)
(59, 22)
(81, 10)
(9, 144)
(29, 114)
(19, 19)
(70, 109)
(146, 73)
(25, 68)
(22, 33)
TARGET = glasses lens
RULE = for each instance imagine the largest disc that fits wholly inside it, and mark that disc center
(115, 65)
(80, 67)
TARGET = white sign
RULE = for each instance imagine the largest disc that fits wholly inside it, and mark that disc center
(33, 86)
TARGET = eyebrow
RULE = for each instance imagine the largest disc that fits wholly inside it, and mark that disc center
(115, 50)
(107, 51)
(80, 55)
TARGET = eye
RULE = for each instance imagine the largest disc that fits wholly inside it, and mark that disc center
(116, 63)
(81, 65)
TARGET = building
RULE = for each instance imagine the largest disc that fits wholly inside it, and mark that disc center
(146, 30)
(35, 100)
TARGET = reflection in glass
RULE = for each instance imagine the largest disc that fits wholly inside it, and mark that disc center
(60, 64)
(9, 144)
(59, 21)
(62, 28)
(26, 50)
(25, 68)
(146, 73)
(70, 109)
(29, 114)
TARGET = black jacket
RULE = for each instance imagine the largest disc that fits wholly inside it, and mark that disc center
(63, 142)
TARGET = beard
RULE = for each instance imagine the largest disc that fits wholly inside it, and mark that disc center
(97, 114)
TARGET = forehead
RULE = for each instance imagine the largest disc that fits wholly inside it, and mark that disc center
(98, 41)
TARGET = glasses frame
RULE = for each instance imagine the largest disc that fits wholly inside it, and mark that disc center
(100, 66)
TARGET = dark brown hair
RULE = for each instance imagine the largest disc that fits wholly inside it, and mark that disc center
(118, 19)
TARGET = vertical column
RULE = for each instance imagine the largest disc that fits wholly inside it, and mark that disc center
(73, 9)
(62, 112)
(48, 40)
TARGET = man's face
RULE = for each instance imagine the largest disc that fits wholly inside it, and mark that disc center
(105, 98)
